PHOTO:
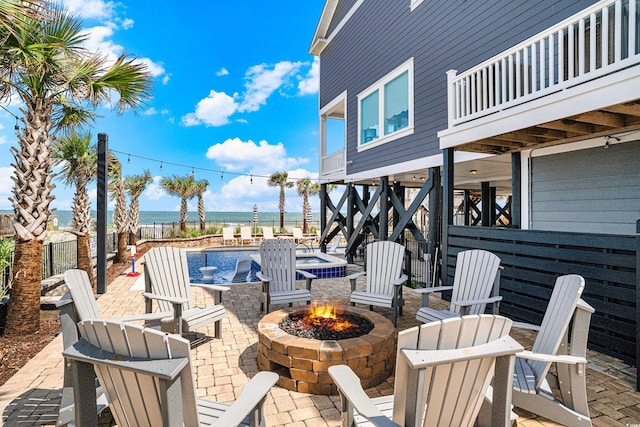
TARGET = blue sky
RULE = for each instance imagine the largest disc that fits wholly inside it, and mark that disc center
(235, 90)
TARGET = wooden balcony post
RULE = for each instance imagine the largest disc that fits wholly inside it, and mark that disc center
(451, 97)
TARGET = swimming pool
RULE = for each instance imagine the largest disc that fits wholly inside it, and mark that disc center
(322, 265)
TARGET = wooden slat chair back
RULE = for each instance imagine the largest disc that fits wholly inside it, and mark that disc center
(443, 371)
(384, 277)
(167, 282)
(476, 283)
(80, 304)
(278, 274)
(562, 339)
(148, 380)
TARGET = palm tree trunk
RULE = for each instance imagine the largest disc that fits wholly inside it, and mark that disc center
(132, 238)
(23, 314)
(122, 247)
(85, 263)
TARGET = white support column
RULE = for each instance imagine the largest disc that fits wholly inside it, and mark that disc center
(451, 98)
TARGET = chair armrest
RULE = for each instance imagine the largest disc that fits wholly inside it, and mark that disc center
(145, 316)
(433, 289)
(351, 390)
(356, 275)
(551, 358)
(400, 280)
(469, 303)
(250, 399)
(523, 325)
(210, 287)
(262, 277)
(172, 300)
(306, 274)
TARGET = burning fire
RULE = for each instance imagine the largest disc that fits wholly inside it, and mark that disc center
(318, 315)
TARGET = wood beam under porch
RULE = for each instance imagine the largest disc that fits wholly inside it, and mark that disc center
(388, 199)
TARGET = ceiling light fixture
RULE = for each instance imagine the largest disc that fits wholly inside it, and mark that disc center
(473, 171)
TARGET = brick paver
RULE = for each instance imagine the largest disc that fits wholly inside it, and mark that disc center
(223, 366)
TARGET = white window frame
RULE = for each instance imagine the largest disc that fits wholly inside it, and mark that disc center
(379, 86)
(415, 3)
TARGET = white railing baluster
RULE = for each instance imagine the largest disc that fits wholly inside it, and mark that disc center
(534, 68)
(631, 36)
(525, 71)
(485, 92)
(503, 83)
(581, 48)
(561, 61)
(552, 63)
(491, 85)
(571, 52)
(467, 92)
(592, 42)
(617, 31)
(605, 36)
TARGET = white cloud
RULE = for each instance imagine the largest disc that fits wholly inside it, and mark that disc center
(164, 112)
(262, 158)
(263, 80)
(127, 23)
(213, 110)
(309, 84)
(156, 69)
(3, 139)
(242, 192)
(98, 41)
(150, 112)
(91, 8)
(154, 190)
(222, 72)
(165, 79)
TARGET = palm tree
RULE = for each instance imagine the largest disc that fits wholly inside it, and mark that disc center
(78, 161)
(135, 185)
(279, 179)
(183, 187)
(120, 220)
(43, 62)
(306, 188)
(199, 188)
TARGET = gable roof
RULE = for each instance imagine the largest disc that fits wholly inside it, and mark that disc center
(319, 41)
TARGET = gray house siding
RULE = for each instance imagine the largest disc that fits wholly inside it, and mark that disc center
(344, 6)
(439, 35)
(592, 191)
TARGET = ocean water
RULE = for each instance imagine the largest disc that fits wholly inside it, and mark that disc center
(231, 218)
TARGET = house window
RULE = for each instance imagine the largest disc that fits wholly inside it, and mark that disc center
(385, 109)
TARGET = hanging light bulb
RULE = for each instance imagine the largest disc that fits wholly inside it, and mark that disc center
(193, 172)
(251, 179)
(414, 177)
(161, 165)
(17, 128)
(129, 159)
(221, 175)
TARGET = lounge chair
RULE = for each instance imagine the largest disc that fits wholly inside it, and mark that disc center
(477, 276)
(299, 237)
(167, 282)
(267, 233)
(443, 371)
(148, 380)
(228, 236)
(278, 274)
(384, 278)
(245, 236)
(243, 268)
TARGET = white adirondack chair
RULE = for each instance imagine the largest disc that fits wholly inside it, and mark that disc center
(384, 278)
(148, 380)
(80, 304)
(167, 282)
(562, 339)
(229, 236)
(245, 236)
(443, 370)
(476, 283)
(278, 274)
(267, 233)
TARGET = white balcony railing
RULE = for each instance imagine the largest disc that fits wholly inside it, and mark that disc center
(598, 41)
(333, 164)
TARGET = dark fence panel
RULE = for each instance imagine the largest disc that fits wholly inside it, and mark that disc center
(532, 261)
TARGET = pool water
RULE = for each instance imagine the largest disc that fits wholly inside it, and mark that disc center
(225, 261)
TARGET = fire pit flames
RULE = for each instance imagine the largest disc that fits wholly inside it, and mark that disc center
(325, 323)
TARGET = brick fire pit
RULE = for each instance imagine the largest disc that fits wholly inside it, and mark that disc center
(303, 363)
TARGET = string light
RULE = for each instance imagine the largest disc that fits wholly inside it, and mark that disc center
(194, 168)
(129, 159)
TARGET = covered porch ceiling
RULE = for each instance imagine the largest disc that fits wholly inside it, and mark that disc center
(604, 122)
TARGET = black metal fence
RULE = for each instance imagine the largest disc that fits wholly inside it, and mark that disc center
(169, 230)
(57, 257)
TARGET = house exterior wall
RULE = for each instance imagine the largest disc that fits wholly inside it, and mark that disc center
(595, 190)
(439, 35)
